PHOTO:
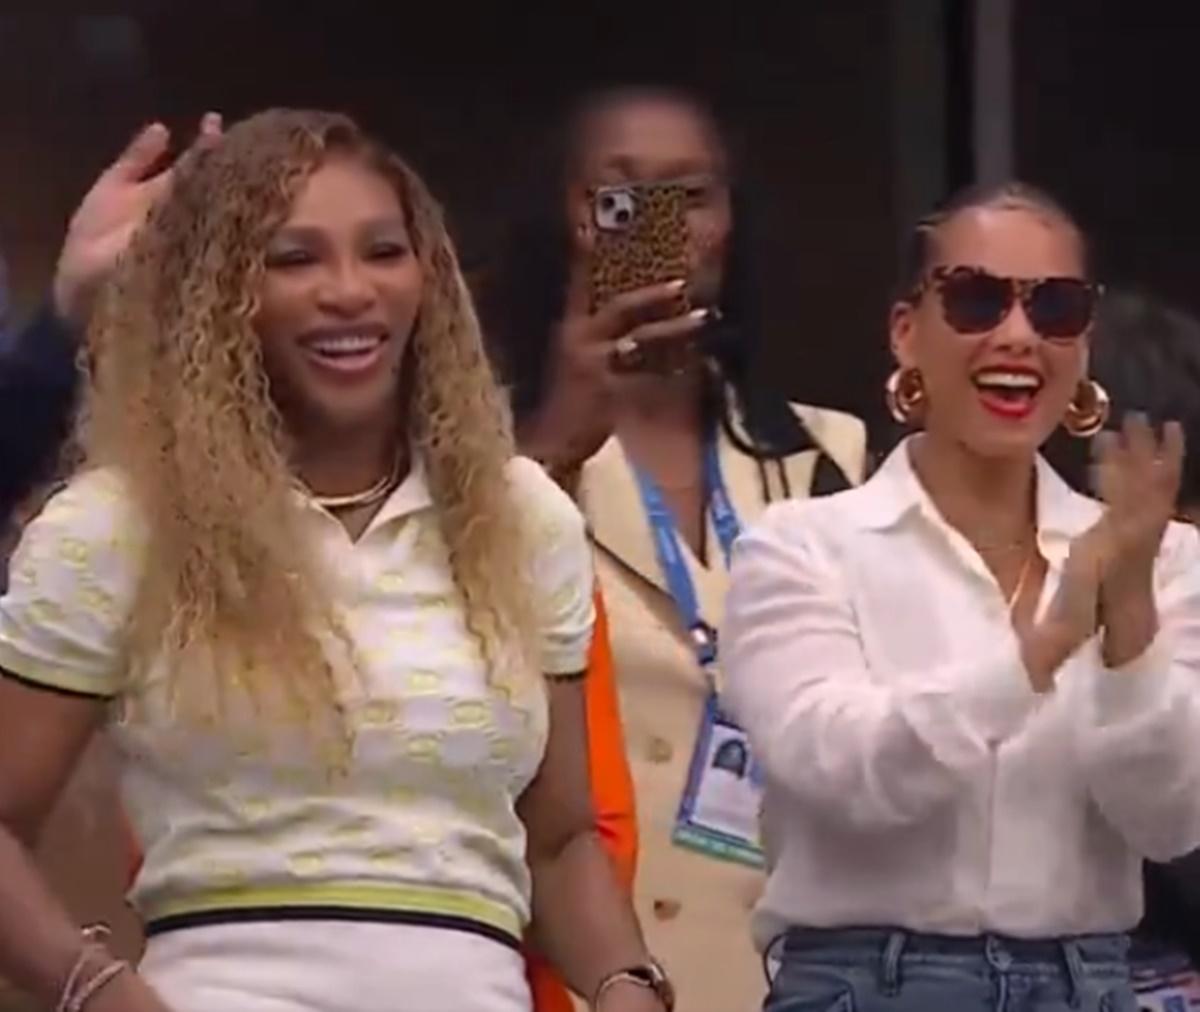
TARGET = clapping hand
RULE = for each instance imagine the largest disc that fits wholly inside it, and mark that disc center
(1108, 580)
(1138, 476)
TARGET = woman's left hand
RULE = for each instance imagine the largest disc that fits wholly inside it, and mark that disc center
(1138, 477)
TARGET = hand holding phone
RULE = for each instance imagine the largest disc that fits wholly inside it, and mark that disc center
(591, 357)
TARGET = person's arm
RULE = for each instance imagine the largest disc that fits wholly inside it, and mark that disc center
(1141, 735)
(59, 670)
(869, 753)
(583, 919)
(612, 795)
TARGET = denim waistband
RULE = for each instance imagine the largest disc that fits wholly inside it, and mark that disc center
(855, 943)
(889, 951)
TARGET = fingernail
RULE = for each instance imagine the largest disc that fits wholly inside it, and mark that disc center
(698, 314)
(677, 285)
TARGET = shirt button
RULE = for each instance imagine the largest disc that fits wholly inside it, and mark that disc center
(659, 750)
(667, 910)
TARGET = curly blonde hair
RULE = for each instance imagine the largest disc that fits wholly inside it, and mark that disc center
(180, 405)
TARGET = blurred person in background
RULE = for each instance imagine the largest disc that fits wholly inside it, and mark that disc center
(217, 940)
(1146, 355)
(974, 690)
(671, 442)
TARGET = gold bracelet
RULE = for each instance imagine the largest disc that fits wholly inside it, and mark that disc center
(650, 976)
(94, 936)
(93, 986)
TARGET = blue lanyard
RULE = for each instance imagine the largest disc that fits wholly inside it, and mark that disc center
(670, 554)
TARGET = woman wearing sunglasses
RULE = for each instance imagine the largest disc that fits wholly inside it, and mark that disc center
(962, 677)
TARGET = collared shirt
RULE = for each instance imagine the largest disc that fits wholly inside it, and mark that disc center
(243, 818)
(693, 908)
(916, 780)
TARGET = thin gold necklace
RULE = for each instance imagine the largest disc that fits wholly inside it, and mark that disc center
(367, 497)
(1026, 568)
(1009, 546)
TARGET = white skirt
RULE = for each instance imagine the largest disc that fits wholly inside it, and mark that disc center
(333, 966)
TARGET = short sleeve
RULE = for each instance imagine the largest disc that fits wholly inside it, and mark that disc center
(70, 590)
(563, 580)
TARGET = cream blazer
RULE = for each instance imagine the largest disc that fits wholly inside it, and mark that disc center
(694, 909)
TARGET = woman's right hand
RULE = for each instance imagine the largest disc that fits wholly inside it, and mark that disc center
(592, 354)
(105, 222)
(1072, 617)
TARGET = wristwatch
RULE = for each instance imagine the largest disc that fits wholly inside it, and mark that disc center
(649, 975)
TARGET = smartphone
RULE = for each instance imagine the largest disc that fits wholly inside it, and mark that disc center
(640, 238)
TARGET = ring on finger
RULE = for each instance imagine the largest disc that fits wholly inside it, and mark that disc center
(626, 352)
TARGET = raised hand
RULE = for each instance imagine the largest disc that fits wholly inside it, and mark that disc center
(115, 207)
(592, 355)
(1138, 476)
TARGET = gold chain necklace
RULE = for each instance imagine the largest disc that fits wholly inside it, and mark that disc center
(367, 497)
(1026, 569)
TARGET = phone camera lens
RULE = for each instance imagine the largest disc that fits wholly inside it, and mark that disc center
(607, 203)
(623, 216)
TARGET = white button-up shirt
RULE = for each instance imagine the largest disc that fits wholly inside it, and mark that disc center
(914, 778)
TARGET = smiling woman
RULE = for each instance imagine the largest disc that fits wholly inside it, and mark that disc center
(337, 626)
(340, 295)
(961, 676)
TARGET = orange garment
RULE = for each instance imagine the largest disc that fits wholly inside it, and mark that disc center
(612, 798)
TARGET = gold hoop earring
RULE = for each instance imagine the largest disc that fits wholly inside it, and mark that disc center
(1088, 411)
(904, 392)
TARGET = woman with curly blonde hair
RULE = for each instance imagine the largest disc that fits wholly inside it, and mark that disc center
(334, 623)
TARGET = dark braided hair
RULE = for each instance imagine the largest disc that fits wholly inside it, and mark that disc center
(919, 250)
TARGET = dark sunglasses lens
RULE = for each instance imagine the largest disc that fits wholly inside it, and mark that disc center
(1061, 307)
(975, 303)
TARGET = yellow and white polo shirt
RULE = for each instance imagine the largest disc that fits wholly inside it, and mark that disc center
(422, 828)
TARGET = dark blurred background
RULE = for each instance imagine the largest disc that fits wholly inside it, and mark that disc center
(853, 116)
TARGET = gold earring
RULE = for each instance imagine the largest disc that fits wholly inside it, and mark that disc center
(905, 395)
(1088, 411)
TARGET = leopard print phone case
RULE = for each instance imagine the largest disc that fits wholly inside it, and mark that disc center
(641, 238)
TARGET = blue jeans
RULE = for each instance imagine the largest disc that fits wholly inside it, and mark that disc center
(881, 970)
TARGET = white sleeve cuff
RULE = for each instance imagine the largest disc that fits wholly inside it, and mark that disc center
(1123, 692)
